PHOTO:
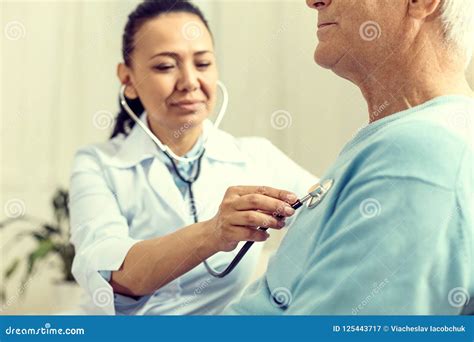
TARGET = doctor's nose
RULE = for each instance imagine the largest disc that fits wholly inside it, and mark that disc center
(318, 4)
(188, 80)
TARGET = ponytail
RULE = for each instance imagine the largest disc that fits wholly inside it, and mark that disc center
(124, 122)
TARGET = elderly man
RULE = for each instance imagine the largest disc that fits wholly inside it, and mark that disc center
(394, 233)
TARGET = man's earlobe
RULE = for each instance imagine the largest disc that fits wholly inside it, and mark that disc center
(421, 9)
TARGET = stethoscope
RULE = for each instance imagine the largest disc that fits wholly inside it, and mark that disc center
(315, 195)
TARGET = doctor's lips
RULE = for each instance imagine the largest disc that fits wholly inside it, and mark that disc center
(189, 105)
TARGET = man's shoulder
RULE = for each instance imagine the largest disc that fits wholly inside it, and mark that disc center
(416, 148)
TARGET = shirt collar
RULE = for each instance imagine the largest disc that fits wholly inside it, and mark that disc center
(138, 146)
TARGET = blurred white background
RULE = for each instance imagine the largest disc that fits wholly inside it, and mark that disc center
(58, 62)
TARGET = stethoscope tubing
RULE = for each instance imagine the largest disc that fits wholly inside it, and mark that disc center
(245, 248)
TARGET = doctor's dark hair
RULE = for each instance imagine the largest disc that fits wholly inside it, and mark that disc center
(147, 10)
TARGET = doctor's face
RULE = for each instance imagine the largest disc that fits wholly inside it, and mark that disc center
(173, 71)
(356, 36)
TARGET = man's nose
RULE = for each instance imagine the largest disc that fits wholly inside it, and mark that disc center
(318, 4)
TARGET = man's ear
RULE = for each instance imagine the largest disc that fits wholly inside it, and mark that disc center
(124, 75)
(421, 9)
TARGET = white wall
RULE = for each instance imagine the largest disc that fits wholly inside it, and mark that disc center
(265, 50)
(58, 63)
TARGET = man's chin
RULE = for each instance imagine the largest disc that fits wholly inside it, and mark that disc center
(324, 58)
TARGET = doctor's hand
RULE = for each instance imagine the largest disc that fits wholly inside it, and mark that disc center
(246, 208)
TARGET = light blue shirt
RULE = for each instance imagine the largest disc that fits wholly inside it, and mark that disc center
(394, 235)
(122, 192)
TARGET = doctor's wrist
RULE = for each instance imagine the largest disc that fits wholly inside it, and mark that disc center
(218, 236)
(207, 238)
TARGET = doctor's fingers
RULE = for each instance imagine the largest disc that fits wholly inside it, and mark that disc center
(263, 203)
(248, 234)
(255, 219)
(282, 195)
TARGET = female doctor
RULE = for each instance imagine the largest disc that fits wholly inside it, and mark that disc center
(148, 225)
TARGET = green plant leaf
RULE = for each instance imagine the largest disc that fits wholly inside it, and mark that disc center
(60, 205)
(12, 268)
(38, 236)
(66, 252)
(42, 251)
(43, 234)
(28, 232)
(51, 229)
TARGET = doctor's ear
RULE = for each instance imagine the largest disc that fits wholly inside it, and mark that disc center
(123, 73)
(421, 9)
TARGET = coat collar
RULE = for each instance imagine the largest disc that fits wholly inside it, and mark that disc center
(137, 147)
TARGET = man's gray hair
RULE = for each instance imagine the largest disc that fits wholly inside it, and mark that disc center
(458, 24)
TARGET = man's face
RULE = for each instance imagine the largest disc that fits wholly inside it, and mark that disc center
(358, 34)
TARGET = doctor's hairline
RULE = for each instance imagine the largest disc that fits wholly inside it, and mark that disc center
(152, 9)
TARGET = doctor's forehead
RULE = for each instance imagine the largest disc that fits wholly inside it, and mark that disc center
(175, 32)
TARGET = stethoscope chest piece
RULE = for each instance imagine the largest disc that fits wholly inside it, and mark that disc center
(318, 192)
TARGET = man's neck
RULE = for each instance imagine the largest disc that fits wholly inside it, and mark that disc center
(386, 99)
(399, 85)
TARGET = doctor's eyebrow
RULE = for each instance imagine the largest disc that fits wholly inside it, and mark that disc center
(177, 56)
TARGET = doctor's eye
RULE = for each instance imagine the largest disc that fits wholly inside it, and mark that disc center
(163, 67)
(203, 65)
